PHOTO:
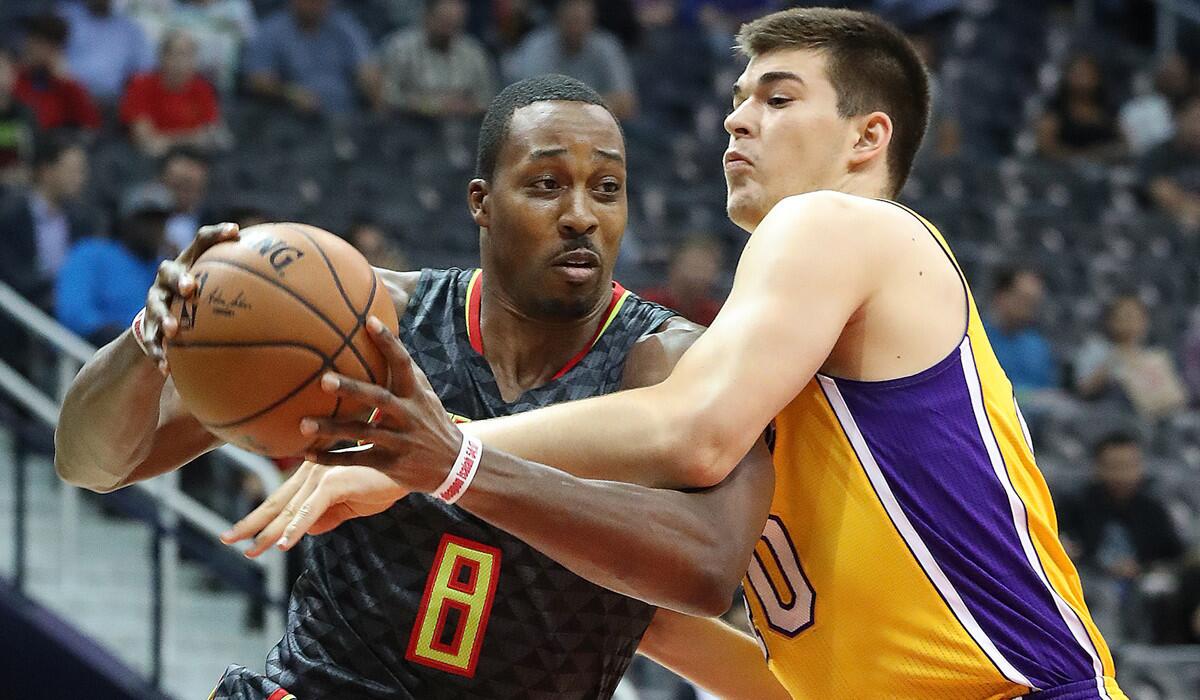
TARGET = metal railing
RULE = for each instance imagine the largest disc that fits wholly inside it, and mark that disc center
(172, 505)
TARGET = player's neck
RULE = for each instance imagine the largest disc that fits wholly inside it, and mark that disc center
(525, 352)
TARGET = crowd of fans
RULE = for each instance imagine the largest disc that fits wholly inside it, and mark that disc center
(165, 79)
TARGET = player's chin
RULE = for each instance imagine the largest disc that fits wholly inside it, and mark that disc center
(744, 209)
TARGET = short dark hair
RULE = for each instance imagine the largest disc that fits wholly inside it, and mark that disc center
(543, 88)
(185, 152)
(1005, 278)
(872, 65)
(1115, 438)
(49, 147)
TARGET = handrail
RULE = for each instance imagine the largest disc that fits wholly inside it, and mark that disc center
(37, 321)
(164, 492)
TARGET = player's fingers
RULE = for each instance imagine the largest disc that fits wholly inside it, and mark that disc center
(365, 392)
(337, 514)
(270, 534)
(327, 493)
(327, 429)
(267, 510)
(207, 237)
(399, 362)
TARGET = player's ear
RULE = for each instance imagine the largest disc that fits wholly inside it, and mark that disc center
(477, 201)
(874, 135)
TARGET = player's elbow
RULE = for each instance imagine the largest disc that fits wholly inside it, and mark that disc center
(712, 591)
(81, 472)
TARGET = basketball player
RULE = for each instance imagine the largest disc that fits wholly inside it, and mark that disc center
(423, 600)
(911, 550)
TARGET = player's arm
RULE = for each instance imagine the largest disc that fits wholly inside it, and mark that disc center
(724, 661)
(684, 551)
(122, 420)
(807, 270)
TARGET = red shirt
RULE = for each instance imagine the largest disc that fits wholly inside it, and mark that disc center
(148, 97)
(56, 102)
(701, 310)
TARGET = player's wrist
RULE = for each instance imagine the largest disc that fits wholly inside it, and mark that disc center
(462, 472)
(137, 331)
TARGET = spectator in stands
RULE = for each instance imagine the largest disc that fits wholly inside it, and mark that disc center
(185, 171)
(103, 282)
(1172, 170)
(692, 280)
(221, 28)
(1080, 122)
(316, 58)
(1011, 326)
(575, 47)
(376, 245)
(1121, 365)
(173, 105)
(44, 84)
(437, 70)
(1147, 118)
(105, 48)
(37, 228)
(1114, 524)
(17, 125)
(943, 137)
(1191, 356)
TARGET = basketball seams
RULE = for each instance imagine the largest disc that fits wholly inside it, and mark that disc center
(346, 340)
(360, 317)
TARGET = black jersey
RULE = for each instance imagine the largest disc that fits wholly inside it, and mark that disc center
(427, 601)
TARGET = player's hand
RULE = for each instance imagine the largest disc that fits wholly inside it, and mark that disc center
(315, 499)
(414, 443)
(174, 281)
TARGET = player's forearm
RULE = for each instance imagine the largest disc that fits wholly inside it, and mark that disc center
(108, 417)
(657, 545)
(711, 654)
(632, 436)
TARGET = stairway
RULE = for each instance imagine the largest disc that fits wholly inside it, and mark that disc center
(105, 589)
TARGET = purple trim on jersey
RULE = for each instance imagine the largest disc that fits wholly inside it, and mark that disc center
(923, 434)
(1080, 690)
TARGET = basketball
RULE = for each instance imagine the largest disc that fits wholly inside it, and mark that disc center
(274, 311)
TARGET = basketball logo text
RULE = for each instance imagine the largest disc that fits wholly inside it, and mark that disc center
(278, 253)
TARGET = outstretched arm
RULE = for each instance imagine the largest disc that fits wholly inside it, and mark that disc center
(684, 551)
(801, 278)
(711, 654)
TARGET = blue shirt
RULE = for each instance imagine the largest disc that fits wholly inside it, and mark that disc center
(324, 60)
(104, 52)
(1025, 356)
(101, 283)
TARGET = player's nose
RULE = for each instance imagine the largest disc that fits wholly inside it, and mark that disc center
(737, 122)
(577, 217)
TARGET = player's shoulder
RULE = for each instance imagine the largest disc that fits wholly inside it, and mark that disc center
(655, 354)
(836, 226)
(842, 211)
(400, 286)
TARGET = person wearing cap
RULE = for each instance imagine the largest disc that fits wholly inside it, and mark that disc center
(103, 282)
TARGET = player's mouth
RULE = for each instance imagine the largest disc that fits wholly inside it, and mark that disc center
(578, 265)
(736, 162)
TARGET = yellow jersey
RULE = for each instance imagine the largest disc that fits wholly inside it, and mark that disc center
(912, 549)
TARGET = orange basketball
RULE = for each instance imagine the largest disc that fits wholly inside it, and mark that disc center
(273, 311)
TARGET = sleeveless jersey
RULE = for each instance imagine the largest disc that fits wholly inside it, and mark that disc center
(912, 549)
(426, 601)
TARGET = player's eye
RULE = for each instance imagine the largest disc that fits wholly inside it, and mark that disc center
(545, 183)
(610, 187)
(778, 101)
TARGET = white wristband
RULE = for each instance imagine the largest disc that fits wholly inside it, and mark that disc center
(463, 471)
(136, 328)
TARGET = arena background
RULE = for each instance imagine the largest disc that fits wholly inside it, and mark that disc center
(1063, 165)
